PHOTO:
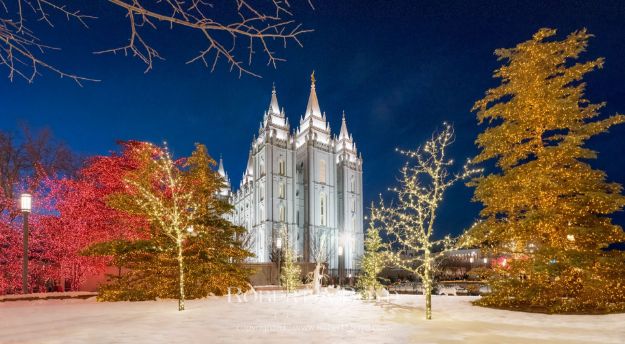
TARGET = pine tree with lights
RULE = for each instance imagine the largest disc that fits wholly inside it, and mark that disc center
(546, 209)
(372, 262)
(410, 221)
(189, 250)
(290, 272)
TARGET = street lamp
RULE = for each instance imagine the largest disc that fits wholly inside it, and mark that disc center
(279, 246)
(25, 207)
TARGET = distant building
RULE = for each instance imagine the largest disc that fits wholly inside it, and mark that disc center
(305, 181)
(470, 256)
(453, 264)
(457, 263)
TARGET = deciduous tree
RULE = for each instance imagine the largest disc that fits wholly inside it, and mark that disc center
(410, 221)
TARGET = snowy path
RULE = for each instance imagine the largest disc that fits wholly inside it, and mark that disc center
(302, 319)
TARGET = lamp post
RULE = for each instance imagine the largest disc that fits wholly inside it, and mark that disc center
(25, 207)
(279, 246)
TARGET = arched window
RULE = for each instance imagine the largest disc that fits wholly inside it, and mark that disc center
(322, 171)
(352, 184)
(282, 167)
(262, 167)
(353, 204)
(282, 214)
(261, 191)
(281, 190)
(323, 210)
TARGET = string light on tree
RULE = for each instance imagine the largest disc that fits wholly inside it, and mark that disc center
(187, 247)
(546, 208)
(410, 221)
(373, 260)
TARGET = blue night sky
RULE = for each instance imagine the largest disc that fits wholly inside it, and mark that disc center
(397, 68)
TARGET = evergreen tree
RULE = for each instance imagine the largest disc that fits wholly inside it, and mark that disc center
(545, 208)
(290, 273)
(371, 264)
(189, 250)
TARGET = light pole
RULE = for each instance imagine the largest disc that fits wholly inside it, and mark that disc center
(25, 207)
(279, 246)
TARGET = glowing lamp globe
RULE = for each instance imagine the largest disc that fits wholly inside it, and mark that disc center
(26, 202)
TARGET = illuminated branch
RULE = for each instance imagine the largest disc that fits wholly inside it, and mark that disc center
(167, 203)
(410, 222)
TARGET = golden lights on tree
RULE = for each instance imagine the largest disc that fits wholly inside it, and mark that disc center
(409, 222)
(373, 260)
(168, 203)
(188, 249)
(290, 272)
(547, 209)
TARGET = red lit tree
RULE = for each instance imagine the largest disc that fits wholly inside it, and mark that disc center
(85, 218)
(68, 216)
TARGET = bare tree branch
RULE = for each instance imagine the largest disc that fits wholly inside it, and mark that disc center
(21, 50)
(221, 28)
(28, 157)
(254, 24)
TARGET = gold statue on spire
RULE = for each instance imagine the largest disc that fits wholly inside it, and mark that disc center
(312, 78)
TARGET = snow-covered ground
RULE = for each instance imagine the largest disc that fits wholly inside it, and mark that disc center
(297, 319)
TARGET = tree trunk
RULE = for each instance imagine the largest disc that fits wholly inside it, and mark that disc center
(427, 283)
(428, 301)
(181, 275)
(317, 279)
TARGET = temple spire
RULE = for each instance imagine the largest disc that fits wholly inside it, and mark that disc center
(313, 104)
(221, 170)
(273, 105)
(344, 133)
